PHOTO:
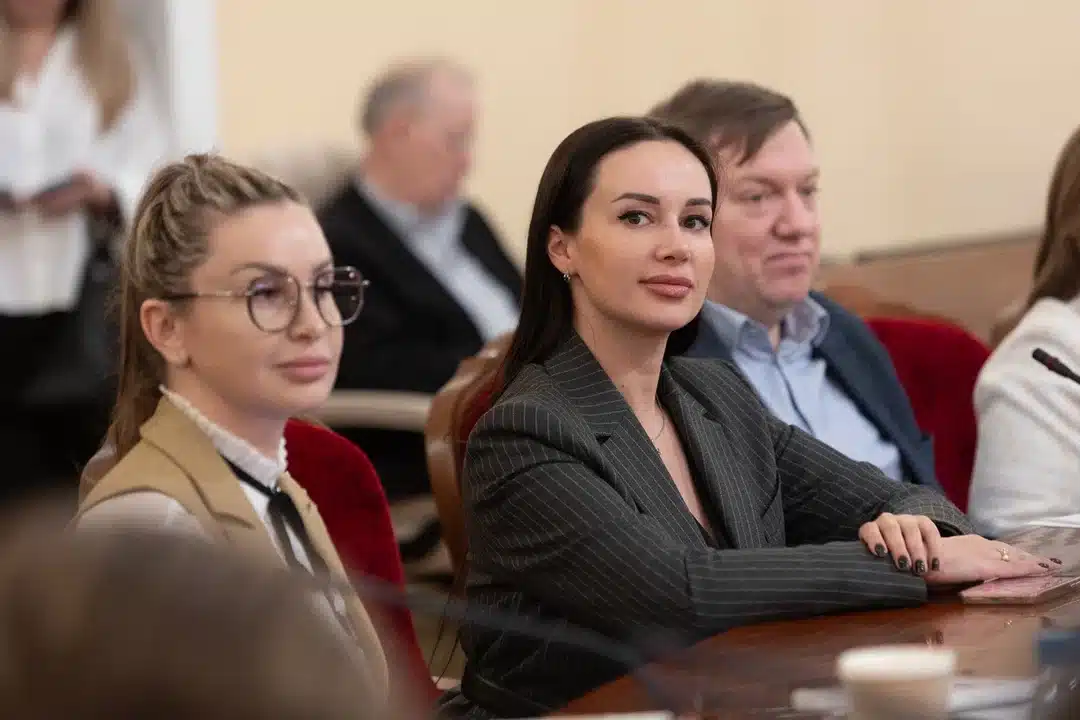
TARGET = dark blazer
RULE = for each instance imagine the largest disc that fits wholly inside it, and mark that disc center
(411, 334)
(859, 364)
(572, 516)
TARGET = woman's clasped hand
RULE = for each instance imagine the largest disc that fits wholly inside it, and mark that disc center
(914, 543)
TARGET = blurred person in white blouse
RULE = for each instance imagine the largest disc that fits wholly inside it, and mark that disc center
(79, 136)
(1027, 466)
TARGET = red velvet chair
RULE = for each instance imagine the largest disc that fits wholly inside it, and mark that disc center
(343, 484)
(938, 363)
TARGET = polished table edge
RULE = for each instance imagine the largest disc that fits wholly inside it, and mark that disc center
(758, 666)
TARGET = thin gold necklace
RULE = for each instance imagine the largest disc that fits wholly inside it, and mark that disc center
(663, 424)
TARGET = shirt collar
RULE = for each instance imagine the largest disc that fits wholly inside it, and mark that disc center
(407, 217)
(804, 326)
(238, 451)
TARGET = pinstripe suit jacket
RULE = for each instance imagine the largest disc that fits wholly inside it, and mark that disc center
(572, 515)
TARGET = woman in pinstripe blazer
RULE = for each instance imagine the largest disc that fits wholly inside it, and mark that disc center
(618, 487)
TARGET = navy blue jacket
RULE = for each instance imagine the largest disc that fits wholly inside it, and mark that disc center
(860, 365)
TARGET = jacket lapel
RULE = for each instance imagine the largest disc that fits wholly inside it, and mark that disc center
(843, 367)
(630, 457)
(382, 255)
(481, 243)
(722, 485)
(191, 450)
(366, 637)
(708, 343)
(313, 524)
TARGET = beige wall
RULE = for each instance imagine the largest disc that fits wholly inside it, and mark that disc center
(932, 119)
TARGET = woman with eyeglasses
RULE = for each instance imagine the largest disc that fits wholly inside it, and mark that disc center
(231, 313)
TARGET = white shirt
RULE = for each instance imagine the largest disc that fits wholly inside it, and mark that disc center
(158, 511)
(436, 242)
(50, 130)
(1027, 462)
(793, 381)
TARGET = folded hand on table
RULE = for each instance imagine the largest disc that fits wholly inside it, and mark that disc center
(915, 544)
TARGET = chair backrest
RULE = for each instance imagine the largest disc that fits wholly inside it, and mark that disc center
(345, 487)
(1007, 320)
(455, 410)
(933, 276)
(938, 363)
(866, 303)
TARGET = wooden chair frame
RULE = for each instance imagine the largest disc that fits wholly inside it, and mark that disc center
(444, 440)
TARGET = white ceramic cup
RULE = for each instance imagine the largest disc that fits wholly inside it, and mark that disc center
(897, 682)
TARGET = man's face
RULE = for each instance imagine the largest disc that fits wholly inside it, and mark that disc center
(767, 230)
(437, 146)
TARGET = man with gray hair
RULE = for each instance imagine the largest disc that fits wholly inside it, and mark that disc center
(441, 284)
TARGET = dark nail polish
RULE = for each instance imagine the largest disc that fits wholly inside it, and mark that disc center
(935, 564)
(1044, 565)
(880, 550)
(902, 563)
(920, 567)
(1055, 560)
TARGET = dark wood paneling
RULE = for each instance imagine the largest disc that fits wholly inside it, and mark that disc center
(971, 281)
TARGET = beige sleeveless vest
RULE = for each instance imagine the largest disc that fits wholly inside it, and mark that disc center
(177, 459)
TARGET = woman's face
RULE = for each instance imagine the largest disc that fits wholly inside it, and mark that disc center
(643, 254)
(33, 13)
(214, 341)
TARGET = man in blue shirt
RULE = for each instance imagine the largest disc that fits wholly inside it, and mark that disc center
(815, 365)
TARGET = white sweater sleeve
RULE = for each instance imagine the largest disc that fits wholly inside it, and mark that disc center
(1027, 465)
(144, 510)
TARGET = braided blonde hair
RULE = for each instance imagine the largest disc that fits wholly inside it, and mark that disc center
(168, 240)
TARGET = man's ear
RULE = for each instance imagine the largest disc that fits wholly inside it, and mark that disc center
(164, 330)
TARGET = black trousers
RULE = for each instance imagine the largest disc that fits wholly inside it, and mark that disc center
(43, 451)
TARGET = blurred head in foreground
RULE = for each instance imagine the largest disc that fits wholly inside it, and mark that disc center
(122, 625)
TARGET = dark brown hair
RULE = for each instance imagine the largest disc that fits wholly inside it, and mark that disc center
(546, 305)
(1057, 261)
(722, 114)
(127, 625)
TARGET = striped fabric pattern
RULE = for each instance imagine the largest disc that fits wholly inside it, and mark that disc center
(572, 515)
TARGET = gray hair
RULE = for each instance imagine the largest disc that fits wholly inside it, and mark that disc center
(405, 83)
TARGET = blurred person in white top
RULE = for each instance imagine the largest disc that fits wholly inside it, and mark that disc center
(1027, 462)
(79, 136)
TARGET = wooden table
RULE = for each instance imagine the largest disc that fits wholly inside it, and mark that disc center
(752, 671)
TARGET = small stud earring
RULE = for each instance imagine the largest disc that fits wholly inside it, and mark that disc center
(566, 276)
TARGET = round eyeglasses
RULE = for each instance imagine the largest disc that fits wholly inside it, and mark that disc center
(273, 299)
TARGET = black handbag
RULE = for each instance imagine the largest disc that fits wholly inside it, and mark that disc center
(80, 367)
